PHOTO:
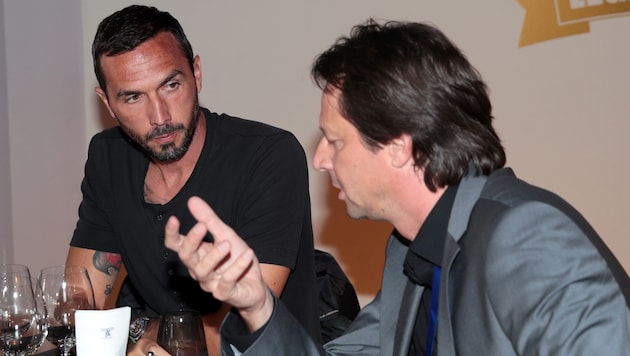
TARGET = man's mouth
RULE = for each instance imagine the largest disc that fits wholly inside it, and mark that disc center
(165, 138)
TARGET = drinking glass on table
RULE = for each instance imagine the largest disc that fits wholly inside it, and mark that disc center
(22, 330)
(181, 334)
(64, 290)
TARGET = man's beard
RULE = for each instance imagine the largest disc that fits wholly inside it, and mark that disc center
(168, 152)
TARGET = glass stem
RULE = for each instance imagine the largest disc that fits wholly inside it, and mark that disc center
(65, 347)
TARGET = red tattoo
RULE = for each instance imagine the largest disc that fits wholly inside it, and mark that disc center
(107, 262)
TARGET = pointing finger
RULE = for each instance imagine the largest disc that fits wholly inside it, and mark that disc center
(203, 213)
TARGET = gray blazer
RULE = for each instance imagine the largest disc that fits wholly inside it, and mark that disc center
(522, 274)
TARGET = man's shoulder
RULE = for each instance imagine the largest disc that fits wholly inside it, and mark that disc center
(242, 135)
(228, 124)
(503, 187)
(112, 136)
(113, 143)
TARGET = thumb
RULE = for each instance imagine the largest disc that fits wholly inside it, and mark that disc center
(172, 238)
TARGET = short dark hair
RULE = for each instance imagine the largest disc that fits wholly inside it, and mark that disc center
(128, 28)
(408, 78)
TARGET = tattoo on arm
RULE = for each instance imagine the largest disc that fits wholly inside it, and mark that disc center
(107, 262)
(108, 289)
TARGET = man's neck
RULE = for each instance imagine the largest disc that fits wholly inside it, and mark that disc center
(165, 179)
(418, 208)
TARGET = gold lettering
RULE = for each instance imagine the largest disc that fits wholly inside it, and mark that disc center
(580, 4)
(548, 19)
(577, 4)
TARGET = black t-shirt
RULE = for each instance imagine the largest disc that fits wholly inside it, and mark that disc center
(255, 178)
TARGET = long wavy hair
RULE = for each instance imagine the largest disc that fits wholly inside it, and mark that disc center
(408, 78)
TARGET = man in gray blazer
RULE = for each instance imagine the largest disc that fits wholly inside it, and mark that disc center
(479, 263)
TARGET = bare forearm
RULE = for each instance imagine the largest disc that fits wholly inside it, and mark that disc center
(102, 268)
(109, 264)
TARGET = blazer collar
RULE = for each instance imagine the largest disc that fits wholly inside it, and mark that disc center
(468, 194)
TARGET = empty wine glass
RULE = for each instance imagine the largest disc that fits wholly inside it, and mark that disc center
(22, 331)
(181, 334)
(64, 290)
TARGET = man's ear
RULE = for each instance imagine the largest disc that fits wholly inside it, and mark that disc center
(101, 94)
(401, 150)
(197, 72)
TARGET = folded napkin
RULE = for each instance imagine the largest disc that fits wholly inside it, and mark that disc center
(102, 332)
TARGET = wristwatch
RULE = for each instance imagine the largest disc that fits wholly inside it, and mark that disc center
(137, 327)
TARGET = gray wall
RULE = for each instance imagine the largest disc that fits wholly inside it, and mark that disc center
(6, 231)
(43, 121)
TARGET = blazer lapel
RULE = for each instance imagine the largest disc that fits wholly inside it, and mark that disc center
(392, 296)
(407, 318)
(467, 196)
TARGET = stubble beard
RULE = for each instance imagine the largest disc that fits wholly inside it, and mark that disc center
(169, 152)
(354, 211)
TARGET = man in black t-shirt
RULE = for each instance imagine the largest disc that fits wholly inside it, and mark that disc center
(167, 149)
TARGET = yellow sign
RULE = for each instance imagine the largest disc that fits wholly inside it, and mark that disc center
(549, 19)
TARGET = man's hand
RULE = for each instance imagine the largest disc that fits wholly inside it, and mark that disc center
(227, 268)
(144, 346)
(147, 342)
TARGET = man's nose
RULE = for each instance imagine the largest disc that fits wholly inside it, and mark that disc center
(159, 114)
(321, 158)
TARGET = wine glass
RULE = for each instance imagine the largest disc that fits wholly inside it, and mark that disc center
(181, 334)
(22, 331)
(64, 290)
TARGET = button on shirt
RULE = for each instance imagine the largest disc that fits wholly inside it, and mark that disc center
(425, 252)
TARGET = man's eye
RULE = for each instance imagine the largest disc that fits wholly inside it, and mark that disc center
(132, 98)
(172, 85)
